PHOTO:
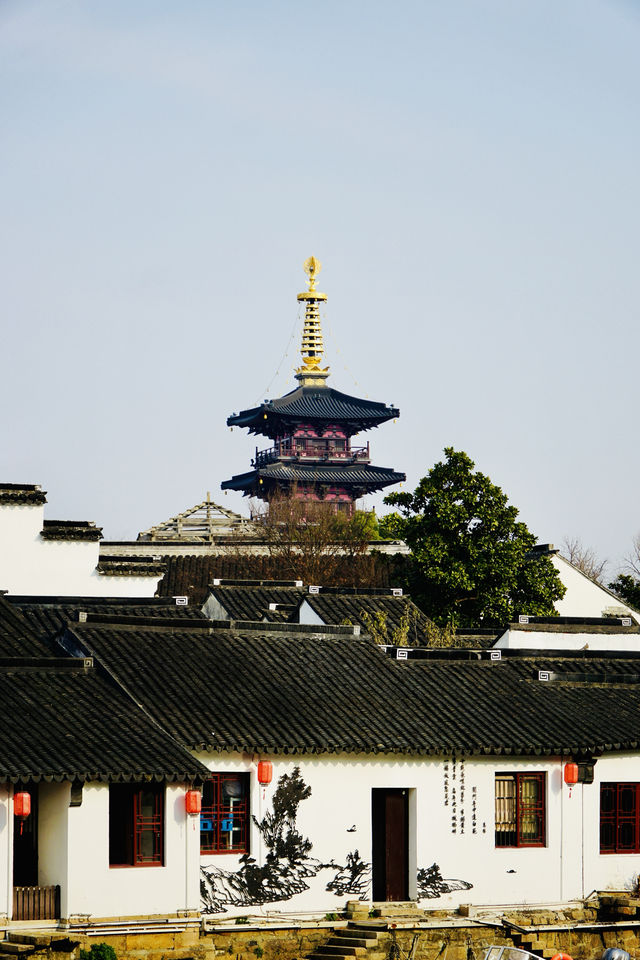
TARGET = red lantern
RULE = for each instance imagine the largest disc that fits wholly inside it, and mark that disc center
(571, 773)
(193, 801)
(22, 804)
(265, 772)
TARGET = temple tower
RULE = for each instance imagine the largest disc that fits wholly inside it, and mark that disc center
(312, 457)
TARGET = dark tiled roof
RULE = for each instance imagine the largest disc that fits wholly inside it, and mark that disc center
(70, 530)
(252, 603)
(293, 694)
(22, 493)
(46, 615)
(191, 575)
(362, 476)
(18, 638)
(131, 566)
(382, 609)
(313, 405)
(76, 724)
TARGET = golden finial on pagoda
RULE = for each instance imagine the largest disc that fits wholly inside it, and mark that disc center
(311, 374)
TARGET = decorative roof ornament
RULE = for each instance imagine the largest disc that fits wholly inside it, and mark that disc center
(311, 374)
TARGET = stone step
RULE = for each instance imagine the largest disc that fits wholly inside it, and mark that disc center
(360, 942)
(320, 954)
(356, 933)
(7, 948)
(31, 939)
(342, 948)
(371, 925)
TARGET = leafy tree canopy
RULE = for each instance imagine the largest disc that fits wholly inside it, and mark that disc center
(627, 588)
(472, 558)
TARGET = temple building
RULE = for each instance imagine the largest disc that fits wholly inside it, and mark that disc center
(312, 427)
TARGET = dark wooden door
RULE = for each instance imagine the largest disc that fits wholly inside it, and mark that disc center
(390, 842)
(25, 841)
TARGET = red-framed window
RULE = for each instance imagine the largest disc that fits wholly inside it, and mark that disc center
(520, 809)
(136, 824)
(224, 819)
(620, 818)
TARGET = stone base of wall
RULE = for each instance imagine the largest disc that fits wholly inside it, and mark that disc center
(581, 931)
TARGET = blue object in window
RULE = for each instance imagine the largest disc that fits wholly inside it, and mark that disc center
(206, 825)
(227, 825)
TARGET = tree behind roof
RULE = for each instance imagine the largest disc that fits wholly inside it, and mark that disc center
(472, 560)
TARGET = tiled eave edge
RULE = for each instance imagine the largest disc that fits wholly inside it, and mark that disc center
(32, 498)
(110, 569)
(72, 535)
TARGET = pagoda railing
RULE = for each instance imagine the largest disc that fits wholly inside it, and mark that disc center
(311, 452)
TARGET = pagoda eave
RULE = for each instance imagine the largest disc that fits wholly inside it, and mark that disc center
(363, 478)
(323, 406)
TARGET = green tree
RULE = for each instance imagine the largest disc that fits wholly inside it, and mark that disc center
(627, 588)
(627, 584)
(472, 560)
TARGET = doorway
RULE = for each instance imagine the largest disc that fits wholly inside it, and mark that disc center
(25, 841)
(390, 844)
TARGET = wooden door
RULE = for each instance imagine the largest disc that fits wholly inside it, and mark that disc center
(390, 844)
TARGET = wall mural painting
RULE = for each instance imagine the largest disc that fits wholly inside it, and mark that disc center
(353, 879)
(431, 883)
(287, 864)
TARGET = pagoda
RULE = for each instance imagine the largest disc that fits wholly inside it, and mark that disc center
(312, 457)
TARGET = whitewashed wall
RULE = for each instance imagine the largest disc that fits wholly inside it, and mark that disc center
(93, 887)
(33, 566)
(341, 800)
(607, 870)
(584, 598)
(532, 639)
(6, 851)
(53, 837)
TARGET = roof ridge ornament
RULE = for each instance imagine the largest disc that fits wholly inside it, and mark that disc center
(311, 374)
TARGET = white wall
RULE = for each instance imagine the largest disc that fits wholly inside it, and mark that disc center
(308, 615)
(607, 870)
(584, 598)
(53, 808)
(341, 799)
(33, 566)
(97, 889)
(6, 851)
(532, 639)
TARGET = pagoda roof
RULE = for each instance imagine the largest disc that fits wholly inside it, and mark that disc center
(312, 405)
(365, 477)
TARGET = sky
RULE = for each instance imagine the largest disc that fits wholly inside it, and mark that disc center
(466, 172)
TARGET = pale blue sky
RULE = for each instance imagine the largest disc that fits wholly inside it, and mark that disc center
(466, 171)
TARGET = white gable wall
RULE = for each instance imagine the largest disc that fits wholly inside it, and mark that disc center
(306, 614)
(584, 598)
(33, 566)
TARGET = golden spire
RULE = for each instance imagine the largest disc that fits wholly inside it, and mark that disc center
(311, 374)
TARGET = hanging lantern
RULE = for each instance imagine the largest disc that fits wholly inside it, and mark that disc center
(571, 773)
(265, 772)
(22, 804)
(193, 801)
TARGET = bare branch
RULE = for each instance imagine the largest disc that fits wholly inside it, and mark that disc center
(585, 559)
